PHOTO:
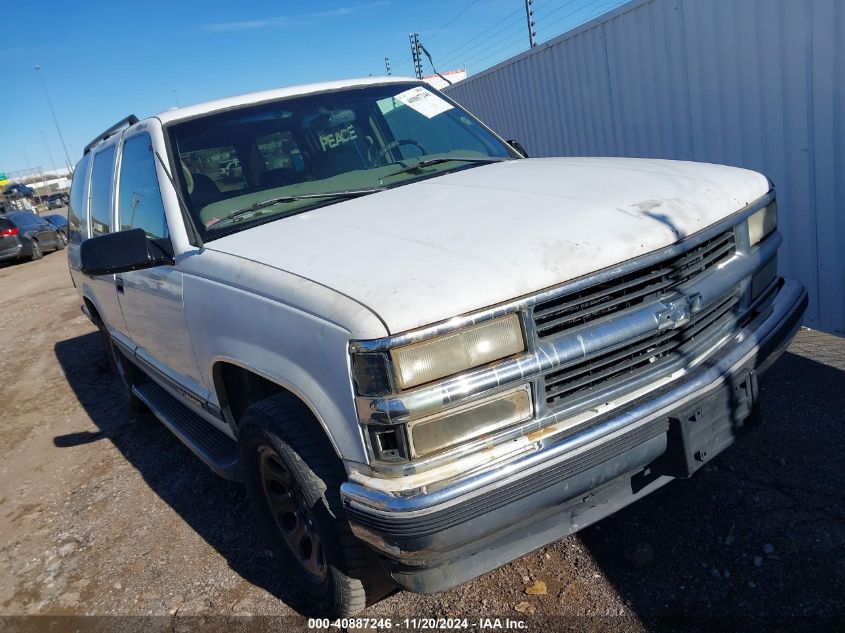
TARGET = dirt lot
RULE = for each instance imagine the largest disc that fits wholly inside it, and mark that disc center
(103, 514)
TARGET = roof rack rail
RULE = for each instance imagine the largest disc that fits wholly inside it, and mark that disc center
(125, 121)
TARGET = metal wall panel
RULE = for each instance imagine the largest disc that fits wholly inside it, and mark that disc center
(753, 83)
(828, 152)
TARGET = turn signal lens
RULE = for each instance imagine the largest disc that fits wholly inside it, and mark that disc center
(449, 354)
(461, 424)
(762, 223)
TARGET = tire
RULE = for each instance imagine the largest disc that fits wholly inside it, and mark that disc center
(293, 480)
(37, 253)
(127, 374)
(61, 241)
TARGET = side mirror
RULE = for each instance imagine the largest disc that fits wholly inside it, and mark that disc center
(518, 147)
(120, 252)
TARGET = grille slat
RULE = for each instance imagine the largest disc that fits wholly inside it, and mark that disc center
(579, 380)
(617, 365)
(541, 314)
(633, 289)
(583, 316)
(660, 347)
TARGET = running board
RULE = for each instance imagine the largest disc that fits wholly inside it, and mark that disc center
(215, 448)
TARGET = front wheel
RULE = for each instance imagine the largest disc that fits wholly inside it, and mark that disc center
(293, 479)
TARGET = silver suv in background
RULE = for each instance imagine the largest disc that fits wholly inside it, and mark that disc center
(423, 353)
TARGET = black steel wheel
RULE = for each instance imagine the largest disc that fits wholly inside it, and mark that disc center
(293, 478)
(291, 514)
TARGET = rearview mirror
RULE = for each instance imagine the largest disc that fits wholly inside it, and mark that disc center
(120, 252)
(518, 147)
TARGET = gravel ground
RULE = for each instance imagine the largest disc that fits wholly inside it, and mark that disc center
(104, 514)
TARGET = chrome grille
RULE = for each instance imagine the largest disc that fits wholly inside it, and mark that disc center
(647, 284)
(646, 353)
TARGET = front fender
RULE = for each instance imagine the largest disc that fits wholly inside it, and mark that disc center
(297, 350)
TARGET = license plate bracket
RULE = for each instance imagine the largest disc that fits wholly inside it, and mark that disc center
(704, 428)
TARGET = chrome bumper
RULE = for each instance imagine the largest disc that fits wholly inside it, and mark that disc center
(439, 537)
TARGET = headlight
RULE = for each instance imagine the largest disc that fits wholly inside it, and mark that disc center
(470, 347)
(762, 223)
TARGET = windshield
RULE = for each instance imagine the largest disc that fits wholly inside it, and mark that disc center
(247, 165)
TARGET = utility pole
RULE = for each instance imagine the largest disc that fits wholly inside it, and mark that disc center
(415, 54)
(529, 15)
(55, 120)
(387, 65)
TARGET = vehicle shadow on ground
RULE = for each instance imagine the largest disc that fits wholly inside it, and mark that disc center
(758, 533)
(216, 509)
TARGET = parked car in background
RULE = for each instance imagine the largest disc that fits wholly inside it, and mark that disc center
(60, 222)
(56, 200)
(24, 235)
(424, 354)
(18, 190)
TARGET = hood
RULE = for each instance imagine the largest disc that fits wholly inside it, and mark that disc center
(432, 250)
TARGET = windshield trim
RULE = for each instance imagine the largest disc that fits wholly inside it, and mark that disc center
(198, 234)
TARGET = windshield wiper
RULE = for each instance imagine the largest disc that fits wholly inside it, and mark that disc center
(443, 159)
(348, 193)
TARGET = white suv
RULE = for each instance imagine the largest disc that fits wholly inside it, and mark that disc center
(424, 354)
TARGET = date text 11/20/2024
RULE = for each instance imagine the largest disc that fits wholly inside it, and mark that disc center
(418, 623)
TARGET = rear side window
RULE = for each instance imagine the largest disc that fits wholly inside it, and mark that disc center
(77, 213)
(100, 198)
(139, 198)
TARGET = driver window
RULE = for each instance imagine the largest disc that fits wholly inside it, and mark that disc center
(139, 195)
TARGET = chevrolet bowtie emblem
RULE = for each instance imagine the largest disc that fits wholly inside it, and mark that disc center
(678, 312)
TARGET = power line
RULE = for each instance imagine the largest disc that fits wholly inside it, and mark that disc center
(602, 8)
(563, 6)
(460, 13)
(549, 25)
(511, 41)
(485, 52)
(473, 51)
(451, 54)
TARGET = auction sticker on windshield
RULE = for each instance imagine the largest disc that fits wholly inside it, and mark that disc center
(423, 101)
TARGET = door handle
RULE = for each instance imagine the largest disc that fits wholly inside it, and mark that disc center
(118, 282)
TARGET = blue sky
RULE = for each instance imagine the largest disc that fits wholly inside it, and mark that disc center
(101, 60)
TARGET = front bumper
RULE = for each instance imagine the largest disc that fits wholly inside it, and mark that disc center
(440, 538)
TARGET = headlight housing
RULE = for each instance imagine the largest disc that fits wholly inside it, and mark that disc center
(762, 223)
(442, 356)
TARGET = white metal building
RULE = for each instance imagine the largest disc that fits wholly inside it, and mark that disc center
(754, 83)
